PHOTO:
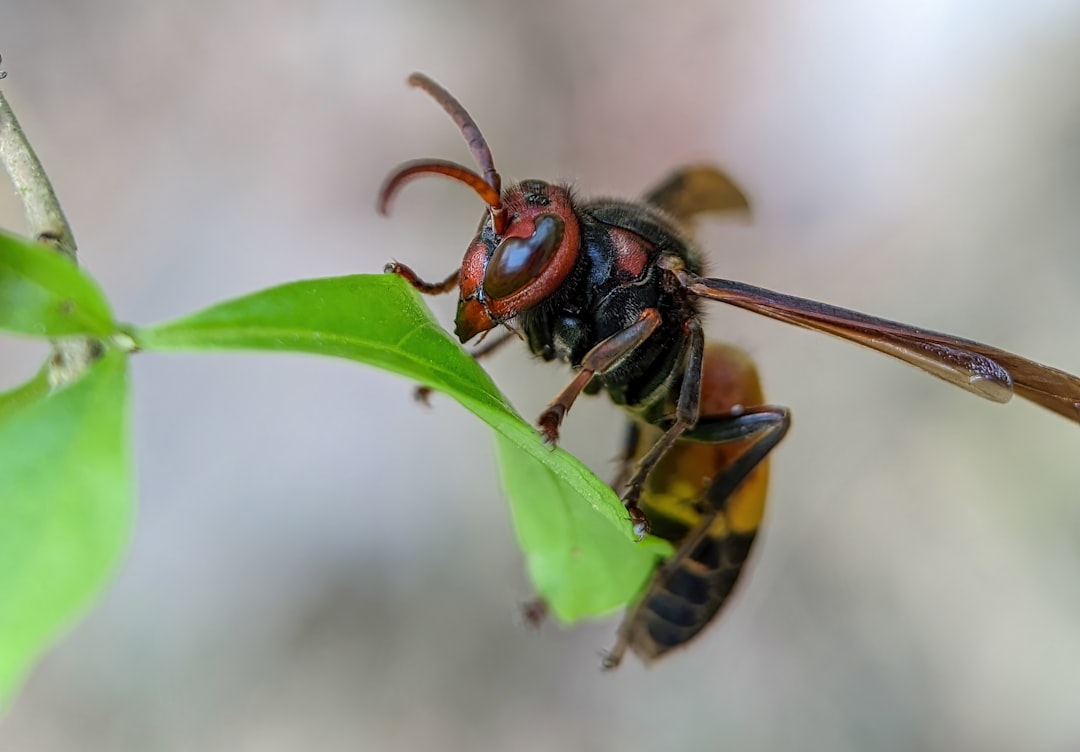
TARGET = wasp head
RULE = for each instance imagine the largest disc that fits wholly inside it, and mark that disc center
(527, 242)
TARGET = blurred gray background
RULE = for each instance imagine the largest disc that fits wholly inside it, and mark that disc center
(319, 563)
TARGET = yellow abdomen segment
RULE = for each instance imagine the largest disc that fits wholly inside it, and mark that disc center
(688, 592)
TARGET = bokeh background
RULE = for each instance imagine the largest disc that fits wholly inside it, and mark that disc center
(319, 563)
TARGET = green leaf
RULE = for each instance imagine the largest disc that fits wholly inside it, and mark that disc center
(65, 506)
(43, 293)
(580, 562)
(572, 528)
(25, 394)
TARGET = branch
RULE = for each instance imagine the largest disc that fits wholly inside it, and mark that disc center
(47, 223)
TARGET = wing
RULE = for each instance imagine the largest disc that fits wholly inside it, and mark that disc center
(986, 371)
(696, 189)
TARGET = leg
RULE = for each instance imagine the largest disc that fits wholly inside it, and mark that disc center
(686, 415)
(598, 360)
(534, 613)
(427, 288)
(486, 348)
(765, 426)
(422, 393)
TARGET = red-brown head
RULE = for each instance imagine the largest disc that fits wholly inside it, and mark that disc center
(527, 244)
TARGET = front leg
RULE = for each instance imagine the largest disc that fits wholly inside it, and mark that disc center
(427, 288)
(423, 393)
(601, 358)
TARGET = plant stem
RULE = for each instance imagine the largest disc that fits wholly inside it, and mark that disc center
(71, 356)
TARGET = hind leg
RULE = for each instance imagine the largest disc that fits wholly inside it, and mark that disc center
(703, 554)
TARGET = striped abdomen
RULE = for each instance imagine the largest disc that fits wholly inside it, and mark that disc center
(712, 541)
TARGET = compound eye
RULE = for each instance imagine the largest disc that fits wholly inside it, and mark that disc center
(519, 261)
